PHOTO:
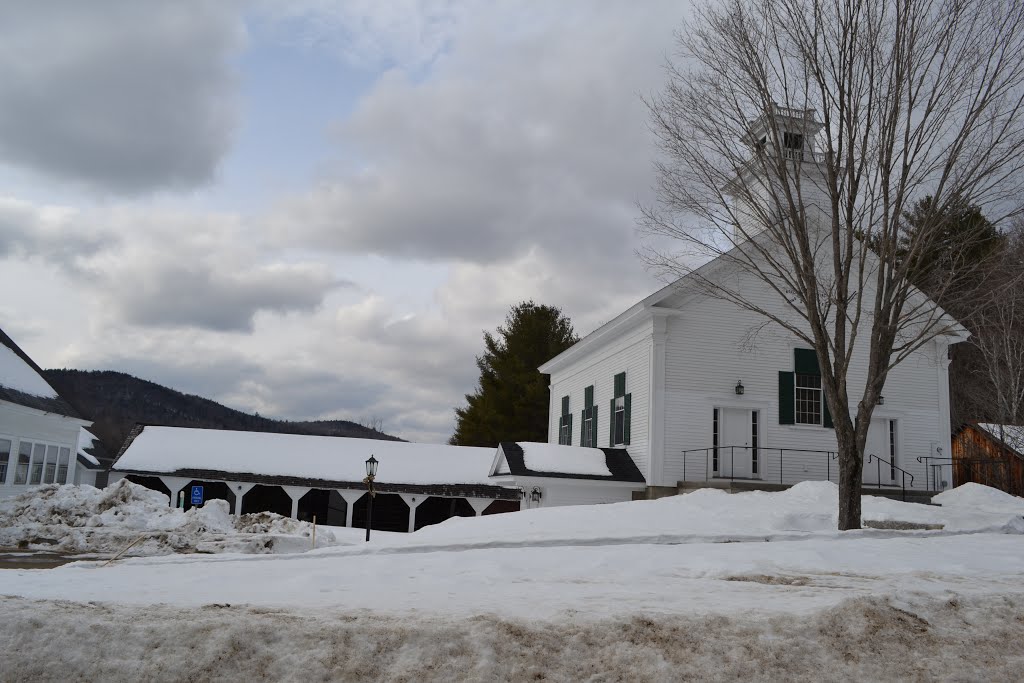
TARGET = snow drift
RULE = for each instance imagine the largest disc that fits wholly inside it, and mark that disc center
(808, 508)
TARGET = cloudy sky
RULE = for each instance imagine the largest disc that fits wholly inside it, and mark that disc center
(314, 209)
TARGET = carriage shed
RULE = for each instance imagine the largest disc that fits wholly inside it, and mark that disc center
(301, 475)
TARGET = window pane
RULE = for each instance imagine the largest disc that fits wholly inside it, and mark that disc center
(714, 441)
(808, 399)
(620, 424)
(51, 465)
(38, 457)
(24, 455)
(755, 451)
(5, 456)
(62, 465)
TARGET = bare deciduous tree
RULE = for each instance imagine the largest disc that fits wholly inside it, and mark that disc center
(797, 134)
(998, 322)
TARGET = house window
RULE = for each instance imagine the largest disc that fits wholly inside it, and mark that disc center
(588, 436)
(50, 471)
(62, 465)
(620, 409)
(38, 458)
(753, 442)
(801, 395)
(5, 457)
(24, 456)
(620, 421)
(792, 141)
(714, 440)
(565, 424)
(808, 399)
(892, 449)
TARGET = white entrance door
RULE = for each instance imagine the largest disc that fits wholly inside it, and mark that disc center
(880, 443)
(736, 450)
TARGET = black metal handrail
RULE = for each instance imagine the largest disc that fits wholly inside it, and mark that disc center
(893, 468)
(932, 470)
(713, 453)
(720, 451)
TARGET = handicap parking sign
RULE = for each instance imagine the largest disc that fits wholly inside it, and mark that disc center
(197, 495)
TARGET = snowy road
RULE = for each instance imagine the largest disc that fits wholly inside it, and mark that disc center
(554, 582)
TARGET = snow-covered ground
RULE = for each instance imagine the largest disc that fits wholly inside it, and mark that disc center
(707, 585)
(85, 520)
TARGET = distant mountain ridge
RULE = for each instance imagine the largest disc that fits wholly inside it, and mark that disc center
(116, 401)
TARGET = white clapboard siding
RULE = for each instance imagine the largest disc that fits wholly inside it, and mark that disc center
(629, 352)
(712, 344)
(19, 423)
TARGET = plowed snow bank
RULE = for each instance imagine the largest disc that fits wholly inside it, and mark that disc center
(83, 519)
(861, 639)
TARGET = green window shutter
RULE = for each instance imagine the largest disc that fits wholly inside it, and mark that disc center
(588, 396)
(593, 437)
(583, 426)
(569, 420)
(565, 405)
(620, 384)
(805, 362)
(787, 408)
(826, 416)
(625, 431)
(611, 423)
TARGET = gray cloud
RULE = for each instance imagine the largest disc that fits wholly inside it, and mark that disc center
(121, 96)
(49, 233)
(166, 269)
(518, 138)
(206, 297)
(507, 169)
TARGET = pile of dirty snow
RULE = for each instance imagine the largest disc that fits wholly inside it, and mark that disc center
(82, 519)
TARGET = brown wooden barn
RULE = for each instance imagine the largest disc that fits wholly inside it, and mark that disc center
(990, 454)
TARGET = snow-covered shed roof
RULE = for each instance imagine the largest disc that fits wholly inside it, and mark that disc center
(530, 459)
(305, 460)
(22, 382)
(1012, 435)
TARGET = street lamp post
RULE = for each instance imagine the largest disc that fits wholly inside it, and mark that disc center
(371, 472)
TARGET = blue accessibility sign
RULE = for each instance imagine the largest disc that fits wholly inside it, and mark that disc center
(197, 495)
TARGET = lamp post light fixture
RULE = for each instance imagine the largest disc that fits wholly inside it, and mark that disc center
(371, 472)
(739, 388)
(535, 496)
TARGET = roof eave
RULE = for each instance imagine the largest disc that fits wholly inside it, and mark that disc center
(624, 320)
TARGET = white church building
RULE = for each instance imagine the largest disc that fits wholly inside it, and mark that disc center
(676, 382)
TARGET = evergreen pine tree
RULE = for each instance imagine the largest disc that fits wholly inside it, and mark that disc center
(511, 399)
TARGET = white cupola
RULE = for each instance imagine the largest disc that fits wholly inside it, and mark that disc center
(780, 132)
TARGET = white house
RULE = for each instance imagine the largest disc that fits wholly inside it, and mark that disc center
(679, 382)
(39, 431)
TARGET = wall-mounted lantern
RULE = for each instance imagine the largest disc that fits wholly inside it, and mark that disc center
(881, 400)
(535, 495)
(739, 388)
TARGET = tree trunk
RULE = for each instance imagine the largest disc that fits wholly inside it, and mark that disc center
(851, 463)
